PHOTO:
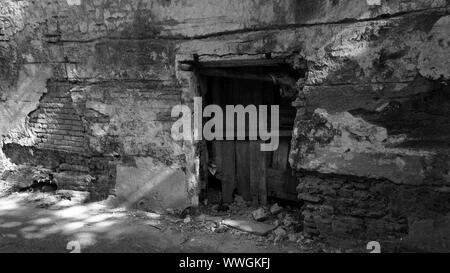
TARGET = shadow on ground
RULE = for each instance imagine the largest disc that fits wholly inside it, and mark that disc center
(41, 222)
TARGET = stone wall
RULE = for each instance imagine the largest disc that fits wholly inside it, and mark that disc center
(372, 115)
(375, 209)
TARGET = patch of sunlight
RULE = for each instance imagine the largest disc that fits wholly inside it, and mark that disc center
(117, 215)
(63, 204)
(10, 225)
(8, 204)
(53, 229)
(74, 2)
(153, 215)
(42, 221)
(28, 229)
(153, 223)
(98, 218)
(104, 224)
(34, 236)
(96, 206)
(71, 227)
(77, 212)
(148, 187)
(85, 239)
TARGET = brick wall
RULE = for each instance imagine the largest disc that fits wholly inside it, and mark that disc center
(56, 122)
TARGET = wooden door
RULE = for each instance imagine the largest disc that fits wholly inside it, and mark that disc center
(242, 167)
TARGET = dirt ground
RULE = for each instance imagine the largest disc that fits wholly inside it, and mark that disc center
(60, 222)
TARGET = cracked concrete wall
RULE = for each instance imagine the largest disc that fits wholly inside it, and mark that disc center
(371, 65)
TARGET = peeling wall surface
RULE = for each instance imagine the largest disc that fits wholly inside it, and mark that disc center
(87, 87)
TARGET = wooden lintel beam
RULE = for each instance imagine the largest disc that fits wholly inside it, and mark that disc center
(233, 74)
(278, 78)
(189, 65)
(241, 63)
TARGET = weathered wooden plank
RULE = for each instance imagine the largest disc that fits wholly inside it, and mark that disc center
(243, 169)
(258, 185)
(262, 189)
(280, 156)
(242, 63)
(254, 171)
(204, 159)
(227, 73)
(228, 170)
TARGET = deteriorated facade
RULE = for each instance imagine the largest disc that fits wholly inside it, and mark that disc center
(87, 88)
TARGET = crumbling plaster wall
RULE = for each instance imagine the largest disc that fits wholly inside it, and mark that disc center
(110, 64)
(365, 60)
(370, 142)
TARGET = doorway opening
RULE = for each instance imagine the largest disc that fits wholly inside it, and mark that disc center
(239, 167)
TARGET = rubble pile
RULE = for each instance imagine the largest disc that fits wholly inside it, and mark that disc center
(268, 225)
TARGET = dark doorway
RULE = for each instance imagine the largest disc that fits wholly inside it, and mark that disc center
(238, 166)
